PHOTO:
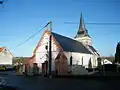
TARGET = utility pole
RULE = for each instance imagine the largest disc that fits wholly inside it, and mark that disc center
(103, 68)
(50, 48)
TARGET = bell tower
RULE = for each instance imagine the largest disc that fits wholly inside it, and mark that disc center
(82, 34)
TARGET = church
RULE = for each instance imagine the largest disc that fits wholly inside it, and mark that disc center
(66, 51)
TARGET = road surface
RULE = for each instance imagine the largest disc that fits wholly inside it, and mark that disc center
(42, 83)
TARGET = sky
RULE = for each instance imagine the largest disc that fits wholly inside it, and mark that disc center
(19, 19)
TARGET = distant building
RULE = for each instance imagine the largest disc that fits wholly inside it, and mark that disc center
(66, 51)
(5, 56)
(110, 58)
(21, 60)
(107, 60)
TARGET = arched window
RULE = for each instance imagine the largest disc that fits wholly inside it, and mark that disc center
(71, 61)
(46, 47)
(99, 61)
(90, 63)
(82, 60)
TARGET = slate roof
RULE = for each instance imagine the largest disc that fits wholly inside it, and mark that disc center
(93, 49)
(70, 45)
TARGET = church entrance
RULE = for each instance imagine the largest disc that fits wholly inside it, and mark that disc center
(61, 64)
(45, 68)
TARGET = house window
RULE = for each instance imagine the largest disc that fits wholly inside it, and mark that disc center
(71, 61)
(5, 49)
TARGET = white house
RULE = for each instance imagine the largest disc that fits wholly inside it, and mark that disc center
(5, 56)
(105, 61)
(67, 51)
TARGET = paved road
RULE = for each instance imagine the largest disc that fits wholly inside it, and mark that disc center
(42, 83)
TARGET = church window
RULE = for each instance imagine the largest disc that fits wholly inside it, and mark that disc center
(71, 60)
(99, 61)
(82, 60)
(90, 63)
(46, 47)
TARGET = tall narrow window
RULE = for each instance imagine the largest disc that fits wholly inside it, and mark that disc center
(46, 47)
(90, 63)
(71, 61)
(99, 61)
(82, 61)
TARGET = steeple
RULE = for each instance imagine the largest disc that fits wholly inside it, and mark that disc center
(82, 24)
(82, 31)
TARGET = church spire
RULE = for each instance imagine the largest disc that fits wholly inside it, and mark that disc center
(82, 34)
(82, 24)
(82, 30)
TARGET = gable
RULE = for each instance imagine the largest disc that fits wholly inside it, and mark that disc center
(4, 51)
(39, 43)
(45, 41)
(61, 54)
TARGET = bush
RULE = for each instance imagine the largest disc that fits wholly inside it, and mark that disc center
(89, 69)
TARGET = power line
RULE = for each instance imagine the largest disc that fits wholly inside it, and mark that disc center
(32, 36)
(94, 23)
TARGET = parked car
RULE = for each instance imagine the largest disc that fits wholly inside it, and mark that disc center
(2, 67)
(6, 67)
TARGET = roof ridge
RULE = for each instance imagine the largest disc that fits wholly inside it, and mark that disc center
(59, 34)
(64, 36)
(68, 38)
